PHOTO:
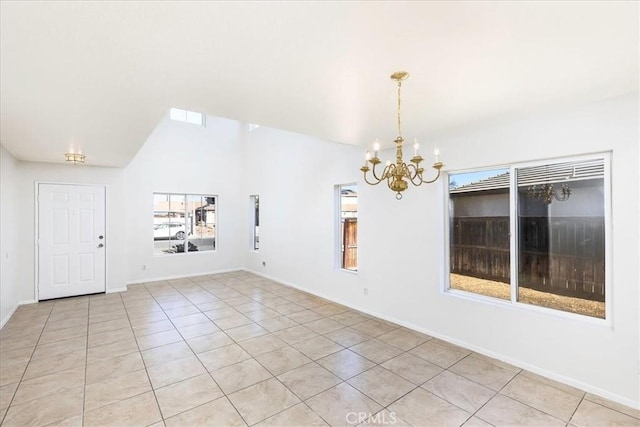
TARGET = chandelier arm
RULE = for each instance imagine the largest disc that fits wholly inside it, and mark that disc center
(389, 171)
(371, 182)
(412, 176)
(432, 180)
(375, 176)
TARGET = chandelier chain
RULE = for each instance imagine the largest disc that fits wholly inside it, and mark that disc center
(399, 121)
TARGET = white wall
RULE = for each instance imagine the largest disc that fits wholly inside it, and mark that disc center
(185, 158)
(9, 233)
(28, 174)
(602, 359)
(295, 176)
(401, 243)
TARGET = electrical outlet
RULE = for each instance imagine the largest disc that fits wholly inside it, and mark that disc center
(365, 291)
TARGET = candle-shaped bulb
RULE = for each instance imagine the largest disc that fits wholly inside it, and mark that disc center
(436, 152)
(368, 155)
(376, 148)
(416, 148)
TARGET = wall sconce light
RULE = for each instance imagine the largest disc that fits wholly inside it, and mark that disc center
(75, 158)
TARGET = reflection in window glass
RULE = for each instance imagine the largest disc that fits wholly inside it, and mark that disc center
(349, 227)
(560, 235)
(183, 223)
(561, 229)
(479, 232)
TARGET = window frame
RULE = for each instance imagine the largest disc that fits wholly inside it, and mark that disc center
(186, 239)
(513, 302)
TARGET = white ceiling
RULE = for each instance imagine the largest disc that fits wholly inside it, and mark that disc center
(97, 77)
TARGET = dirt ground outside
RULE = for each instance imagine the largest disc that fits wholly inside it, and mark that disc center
(529, 296)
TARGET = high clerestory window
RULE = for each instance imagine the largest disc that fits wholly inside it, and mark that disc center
(186, 116)
(533, 234)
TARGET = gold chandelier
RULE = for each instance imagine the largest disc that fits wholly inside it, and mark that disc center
(399, 174)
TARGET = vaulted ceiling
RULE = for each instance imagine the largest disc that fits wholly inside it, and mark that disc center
(96, 77)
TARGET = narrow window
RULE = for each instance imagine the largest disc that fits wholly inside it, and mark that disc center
(254, 206)
(183, 223)
(532, 234)
(348, 238)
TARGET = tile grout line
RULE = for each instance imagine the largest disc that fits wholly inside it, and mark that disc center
(135, 337)
(86, 363)
(290, 345)
(27, 365)
(253, 358)
(534, 408)
(269, 333)
(370, 368)
(194, 353)
(224, 394)
(302, 401)
(576, 409)
(184, 288)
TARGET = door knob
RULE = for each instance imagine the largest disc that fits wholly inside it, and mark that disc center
(100, 245)
(100, 237)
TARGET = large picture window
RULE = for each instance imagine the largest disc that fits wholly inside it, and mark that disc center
(183, 223)
(532, 234)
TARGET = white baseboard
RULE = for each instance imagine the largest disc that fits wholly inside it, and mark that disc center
(180, 276)
(13, 310)
(114, 290)
(8, 316)
(523, 365)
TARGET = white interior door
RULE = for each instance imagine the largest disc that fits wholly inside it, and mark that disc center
(71, 240)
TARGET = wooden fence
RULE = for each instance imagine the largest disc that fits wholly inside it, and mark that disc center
(563, 256)
(350, 244)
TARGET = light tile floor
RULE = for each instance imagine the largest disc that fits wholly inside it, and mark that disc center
(237, 349)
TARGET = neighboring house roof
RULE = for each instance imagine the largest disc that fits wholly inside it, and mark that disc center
(536, 175)
(491, 183)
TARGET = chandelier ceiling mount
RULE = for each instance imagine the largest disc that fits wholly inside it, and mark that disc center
(74, 158)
